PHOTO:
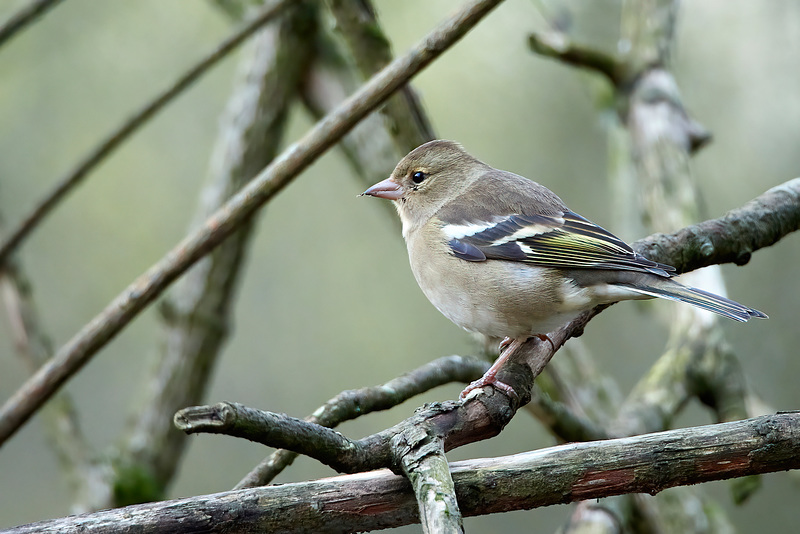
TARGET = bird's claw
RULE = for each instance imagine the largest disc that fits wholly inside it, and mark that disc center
(489, 381)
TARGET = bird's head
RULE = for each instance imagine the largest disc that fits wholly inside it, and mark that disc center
(426, 178)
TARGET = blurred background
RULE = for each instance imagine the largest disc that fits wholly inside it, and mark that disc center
(345, 312)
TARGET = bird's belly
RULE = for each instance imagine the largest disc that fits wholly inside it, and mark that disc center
(500, 299)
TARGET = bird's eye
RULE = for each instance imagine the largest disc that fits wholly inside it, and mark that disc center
(418, 177)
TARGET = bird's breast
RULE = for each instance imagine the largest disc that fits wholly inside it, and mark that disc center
(494, 297)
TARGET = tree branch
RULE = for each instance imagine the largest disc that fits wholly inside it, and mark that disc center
(77, 458)
(77, 352)
(356, 403)
(557, 45)
(484, 412)
(198, 311)
(732, 238)
(367, 501)
(427, 470)
(358, 25)
(68, 182)
(23, 17)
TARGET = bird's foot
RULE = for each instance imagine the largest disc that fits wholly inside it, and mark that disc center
(507, 347)
(489, 379)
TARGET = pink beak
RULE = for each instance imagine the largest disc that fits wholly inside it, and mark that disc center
(388, 189)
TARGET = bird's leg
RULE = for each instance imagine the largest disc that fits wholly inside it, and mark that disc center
(508, 347)
(505, 343)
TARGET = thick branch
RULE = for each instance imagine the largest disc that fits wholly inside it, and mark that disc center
(406, 120)
(578, 471)
(426, 468)
(77, 352)
(732, 238)
(198, 311)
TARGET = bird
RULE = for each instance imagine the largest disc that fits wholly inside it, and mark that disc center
(503, 256)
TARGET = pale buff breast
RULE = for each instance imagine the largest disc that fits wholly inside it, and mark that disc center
(495, 298)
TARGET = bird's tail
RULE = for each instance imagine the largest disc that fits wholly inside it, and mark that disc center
(672, 290)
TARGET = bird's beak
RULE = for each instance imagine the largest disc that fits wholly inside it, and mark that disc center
(388, 189)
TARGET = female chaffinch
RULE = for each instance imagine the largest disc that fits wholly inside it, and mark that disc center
(502, 255)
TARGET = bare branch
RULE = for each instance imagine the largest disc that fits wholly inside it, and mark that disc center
(23, 17)
(284, 432)
(77, 352)
(357, 23)
(198, 311)
(732, 238)
(427, 470)
(68, 182)
(557, 45)
(356, 403)
(61, 423)
(368, 147)
(367, 501)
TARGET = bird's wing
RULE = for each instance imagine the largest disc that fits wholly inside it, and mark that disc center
(568, 241)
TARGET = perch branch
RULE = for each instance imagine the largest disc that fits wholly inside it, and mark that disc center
(356, 403)
(368, 501)
(77, 352)
(483, 415)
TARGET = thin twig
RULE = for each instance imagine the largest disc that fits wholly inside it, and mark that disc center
(23, 17)
(77, 352)
(68, 182)
(558, 46)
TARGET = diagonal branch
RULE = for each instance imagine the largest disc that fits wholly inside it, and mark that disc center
(198, 312)
(79, 350)
(67, 183)
(25, 16)
(358, 25)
